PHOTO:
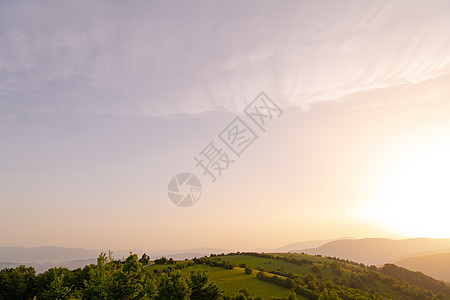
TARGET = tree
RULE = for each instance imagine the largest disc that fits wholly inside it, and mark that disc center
(29, 274)
(145, 259)
(327, 294)
(44, 280)
(161, 261)
(116, 279)
(248, 271)
(100, 279)
(17, 283)
(173, 286)
(150, 287)
(56, 288)
(245, 292)
(128, 279)
(336, 269)
(201, 288)
(292, 296)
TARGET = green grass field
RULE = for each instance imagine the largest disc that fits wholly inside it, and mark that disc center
(275, 265)
(371, 283)
(325, 272)
(232, 281)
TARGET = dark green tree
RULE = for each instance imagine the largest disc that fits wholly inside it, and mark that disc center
(150, 287)
(145, 259)
(327, 294)
(201, 288)
(44, 280)
(173, 287)
(128, 279)
(292, 296)
(100, 280)
(17, 283)
(56, 289)
(161, 261)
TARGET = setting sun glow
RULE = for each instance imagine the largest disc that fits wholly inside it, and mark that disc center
(412, 193)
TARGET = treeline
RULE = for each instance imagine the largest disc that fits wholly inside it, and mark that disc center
(117, 279)
(268, 256)
(416, 278)
(214, 263)
(309, 287)
(108, 279)
(294, 260)
(129, 279)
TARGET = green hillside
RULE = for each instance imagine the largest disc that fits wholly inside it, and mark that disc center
(311, 277)
(234, 276)
(435, 265)
(231, 280)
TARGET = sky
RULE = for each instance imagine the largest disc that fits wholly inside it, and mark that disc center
(102, 103)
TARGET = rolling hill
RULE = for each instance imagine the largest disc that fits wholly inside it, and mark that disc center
(435, 265)
(377, 251)
(300, 245)
(273, 276)
(240, 275)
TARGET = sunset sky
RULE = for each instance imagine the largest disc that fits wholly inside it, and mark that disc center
(103, 102)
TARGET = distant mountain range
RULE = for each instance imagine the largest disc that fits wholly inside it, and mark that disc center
(44, 254)
(377, 251)
(43, 258)
(301, 245)
(42, 267)
(62, 254)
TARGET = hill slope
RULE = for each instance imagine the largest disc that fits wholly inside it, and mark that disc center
(377, 251)
(311, 277)
(436, 265)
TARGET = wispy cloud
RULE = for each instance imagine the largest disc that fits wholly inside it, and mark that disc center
(158, 58)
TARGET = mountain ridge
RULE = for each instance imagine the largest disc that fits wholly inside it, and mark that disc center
(434, 265)
(377, 251)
